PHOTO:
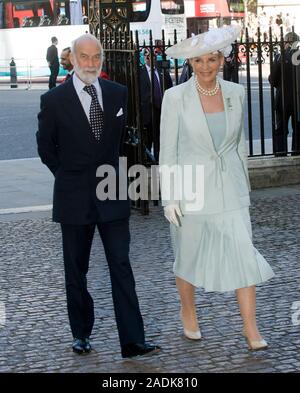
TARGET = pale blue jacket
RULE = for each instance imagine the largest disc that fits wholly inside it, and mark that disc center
(186, 140)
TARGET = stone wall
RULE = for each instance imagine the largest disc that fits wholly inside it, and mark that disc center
(274, 172)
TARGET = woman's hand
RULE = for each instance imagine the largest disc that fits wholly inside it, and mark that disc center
(171, 212)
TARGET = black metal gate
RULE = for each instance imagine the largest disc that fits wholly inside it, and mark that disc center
(123, 63)
(282, 87)
(253, 64)
(271, 99)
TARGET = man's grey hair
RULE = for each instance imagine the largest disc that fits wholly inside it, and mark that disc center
(291, 37)
(87, 37)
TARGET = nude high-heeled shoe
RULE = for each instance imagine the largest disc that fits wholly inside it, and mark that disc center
(190, 334)
(255, 345)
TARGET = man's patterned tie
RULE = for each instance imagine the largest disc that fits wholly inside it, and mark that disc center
(96, 112)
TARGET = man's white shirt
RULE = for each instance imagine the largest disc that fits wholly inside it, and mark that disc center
(149, 73)
(84, 97)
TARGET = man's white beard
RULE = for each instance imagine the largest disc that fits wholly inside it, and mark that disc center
(88, 76)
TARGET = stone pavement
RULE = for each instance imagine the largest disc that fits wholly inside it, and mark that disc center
(34, 329)
(25, 185)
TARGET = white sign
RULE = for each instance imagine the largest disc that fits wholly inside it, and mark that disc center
(206, 8)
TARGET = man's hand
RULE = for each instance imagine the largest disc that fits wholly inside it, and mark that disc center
(171, 212)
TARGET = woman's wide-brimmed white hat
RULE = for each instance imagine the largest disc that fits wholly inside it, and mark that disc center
(216, 39)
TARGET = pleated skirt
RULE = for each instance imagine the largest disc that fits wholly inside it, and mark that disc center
(216, 252)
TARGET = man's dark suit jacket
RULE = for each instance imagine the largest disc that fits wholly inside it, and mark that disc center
(289, 81)
(145, 91)
(68, 148)
(52, 56)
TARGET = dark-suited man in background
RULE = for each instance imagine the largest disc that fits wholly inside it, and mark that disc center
(81, 123)
(231, 68)
(152, 125)
(186, 72)
(53, 62)
(291, 78)
(66, 62)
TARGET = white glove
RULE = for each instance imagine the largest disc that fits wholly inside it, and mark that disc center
(171, 212)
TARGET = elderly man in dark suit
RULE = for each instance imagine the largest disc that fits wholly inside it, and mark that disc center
(81, 123)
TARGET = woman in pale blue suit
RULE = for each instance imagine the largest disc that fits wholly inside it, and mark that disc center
(202, 125)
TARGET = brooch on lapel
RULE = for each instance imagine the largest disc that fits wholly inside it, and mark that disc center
(229, 104)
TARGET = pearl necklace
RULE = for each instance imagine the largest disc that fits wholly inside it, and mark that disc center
(205, 92)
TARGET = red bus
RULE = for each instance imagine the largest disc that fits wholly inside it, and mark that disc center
(37, 13)
(219, 9)
(203, 14)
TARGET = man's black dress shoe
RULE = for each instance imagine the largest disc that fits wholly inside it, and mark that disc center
(81, 346)
(132, 350)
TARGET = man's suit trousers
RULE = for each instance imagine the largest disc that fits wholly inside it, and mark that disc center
(77, 242)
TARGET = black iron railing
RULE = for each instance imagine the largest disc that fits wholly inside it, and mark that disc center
(264, 67)
(267, 128)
